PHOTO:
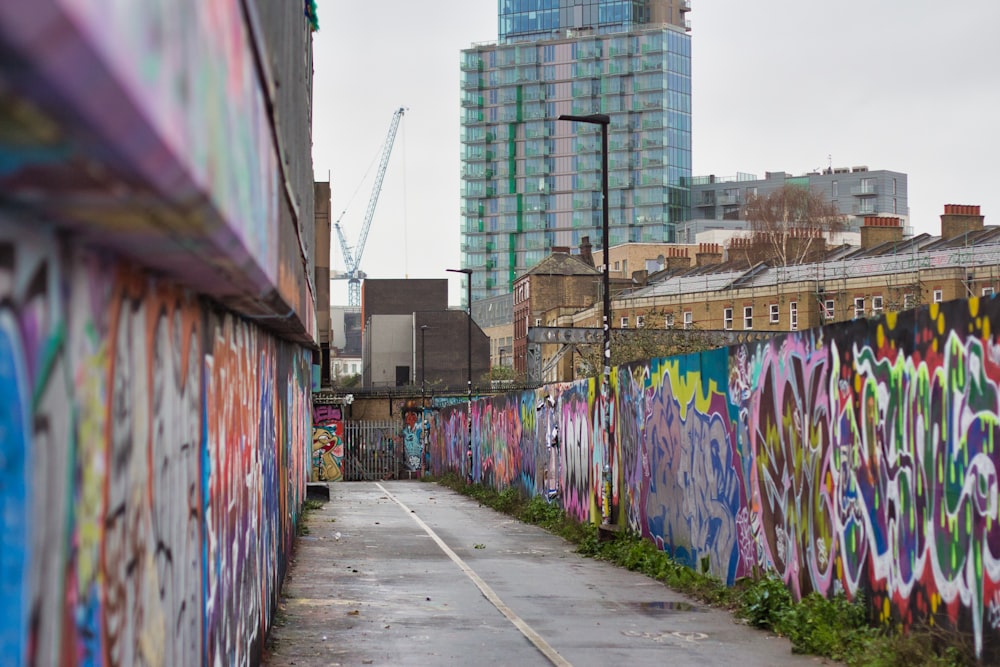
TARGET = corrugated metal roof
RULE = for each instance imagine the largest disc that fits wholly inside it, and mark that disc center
(886, 259)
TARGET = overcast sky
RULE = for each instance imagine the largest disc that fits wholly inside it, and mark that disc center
(787, 85)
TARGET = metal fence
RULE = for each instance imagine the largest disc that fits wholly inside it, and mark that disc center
(373, 450)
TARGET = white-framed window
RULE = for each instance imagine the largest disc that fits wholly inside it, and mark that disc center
(669, 321)
(640, 321)
(938, 296)
(727, 319)
(793, 315)
(828, 312)
(775, 315)
(538, 321)
(688, 319)
(876, 305)
(988, 291)
(908, 301)
(624, 323)
(748, 317)
(859, 306)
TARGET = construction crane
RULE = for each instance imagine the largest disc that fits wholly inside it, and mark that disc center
(352, 260)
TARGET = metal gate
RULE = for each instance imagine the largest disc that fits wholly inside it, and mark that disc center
(373, 450)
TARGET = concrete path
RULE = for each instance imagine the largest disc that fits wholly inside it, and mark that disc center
(411, 573)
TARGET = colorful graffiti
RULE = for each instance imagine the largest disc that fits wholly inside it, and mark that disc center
(414, 434)
(153, 464)
(858, 457)
(327, 443)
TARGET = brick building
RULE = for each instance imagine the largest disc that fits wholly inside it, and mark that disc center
(886, 273)
(560, 281)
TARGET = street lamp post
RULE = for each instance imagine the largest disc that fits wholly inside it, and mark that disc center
(468, 332)
(423, 396)
(604, 120)
(423, 330)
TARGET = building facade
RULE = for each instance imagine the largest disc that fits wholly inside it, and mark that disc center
(531, 182)
(857, 191)
(887, 273)
(409, 336)
(560, 282)
(534, 20)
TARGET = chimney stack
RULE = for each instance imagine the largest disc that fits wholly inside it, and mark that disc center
(677, 258)
(878, 230)
(959, 219)
(586, 251)
(708, 253)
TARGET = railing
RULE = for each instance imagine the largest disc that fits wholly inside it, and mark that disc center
(373, 450)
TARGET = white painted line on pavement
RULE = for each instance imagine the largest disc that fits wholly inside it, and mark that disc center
(488, 593)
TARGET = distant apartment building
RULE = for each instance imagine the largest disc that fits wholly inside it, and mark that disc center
(888, 272)
(857, 191)
(531, 182)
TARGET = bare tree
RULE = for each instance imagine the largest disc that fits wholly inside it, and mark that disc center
(628, 345)
(788, 226)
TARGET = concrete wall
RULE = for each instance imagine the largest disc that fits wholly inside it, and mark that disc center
(857, 457)
(388, 344)
(154, 457)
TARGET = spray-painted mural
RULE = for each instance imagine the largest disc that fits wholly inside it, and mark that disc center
(153, 463)
(858, 457)
(327, 443)
(414, 435)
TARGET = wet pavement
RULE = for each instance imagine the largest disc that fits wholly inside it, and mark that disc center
(412, 573)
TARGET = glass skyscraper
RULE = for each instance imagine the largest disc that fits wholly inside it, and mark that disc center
(531, 183)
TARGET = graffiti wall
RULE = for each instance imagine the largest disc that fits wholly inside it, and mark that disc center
(154, 458)
(857, 457)
(327, 443)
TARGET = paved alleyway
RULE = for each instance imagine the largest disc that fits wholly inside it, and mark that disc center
(409, 573)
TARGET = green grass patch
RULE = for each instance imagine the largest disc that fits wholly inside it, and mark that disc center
(835, 628)
(308, 506)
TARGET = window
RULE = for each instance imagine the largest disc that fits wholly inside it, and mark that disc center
(828, 309)
(624, 323)
(669, 321)
(775, 315)
(748, 317)
(908, 301)
(538, 321)
(987, 291)
(688, 319)
(793, 315)
(876, 305)
(859, 307)
(938, 296)
(835, 190)
(640, 321)
(616, 265)
(727, 319)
